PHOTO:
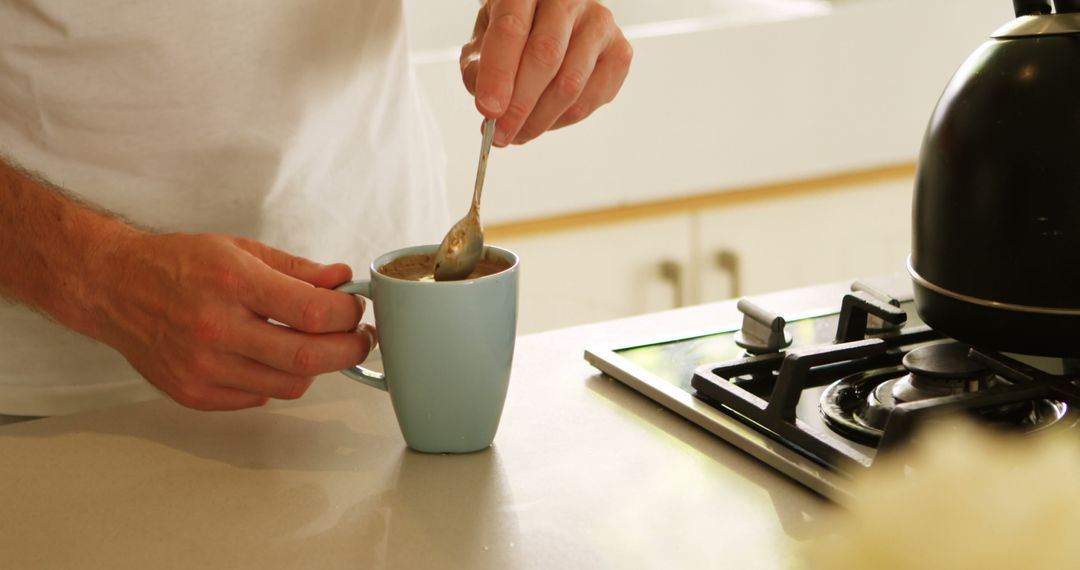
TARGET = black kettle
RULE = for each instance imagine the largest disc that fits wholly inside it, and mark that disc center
(996, 214)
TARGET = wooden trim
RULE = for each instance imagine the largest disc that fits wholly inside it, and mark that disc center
(721, 198)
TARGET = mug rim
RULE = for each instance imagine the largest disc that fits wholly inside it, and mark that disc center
(432, 248)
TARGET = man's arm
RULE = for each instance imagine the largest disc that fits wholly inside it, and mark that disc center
(52, 248)
(189, 311)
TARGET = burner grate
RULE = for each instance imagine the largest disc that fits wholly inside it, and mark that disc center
(765, 388)
(1027, 384)
(764, 392)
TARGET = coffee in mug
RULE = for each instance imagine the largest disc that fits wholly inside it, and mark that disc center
(422, 267)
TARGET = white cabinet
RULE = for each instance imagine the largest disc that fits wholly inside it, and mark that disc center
(616, 269)
(803, 240)
(603, 272)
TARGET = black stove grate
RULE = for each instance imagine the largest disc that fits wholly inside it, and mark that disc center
(765, 388)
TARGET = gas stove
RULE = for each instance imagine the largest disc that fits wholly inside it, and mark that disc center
(822, 395)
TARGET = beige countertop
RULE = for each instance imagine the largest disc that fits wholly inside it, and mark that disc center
(584, 473)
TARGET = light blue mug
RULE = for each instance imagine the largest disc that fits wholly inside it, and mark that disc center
(446, 349)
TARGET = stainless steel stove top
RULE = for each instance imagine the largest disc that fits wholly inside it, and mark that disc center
(760, 386)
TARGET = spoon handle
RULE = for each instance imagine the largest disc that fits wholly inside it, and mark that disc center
(481, 168)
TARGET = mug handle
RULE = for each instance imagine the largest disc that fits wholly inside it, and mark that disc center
(359, 373)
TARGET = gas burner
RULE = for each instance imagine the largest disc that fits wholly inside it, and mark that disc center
(858, 406)
(823, 396)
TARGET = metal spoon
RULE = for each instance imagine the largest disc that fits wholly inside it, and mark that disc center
(460, 250)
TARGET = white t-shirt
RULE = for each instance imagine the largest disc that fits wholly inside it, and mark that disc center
(295, 123)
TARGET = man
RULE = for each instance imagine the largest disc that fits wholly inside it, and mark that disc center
(207, 152)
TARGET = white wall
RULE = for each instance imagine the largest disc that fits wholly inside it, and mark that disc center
(443, 25)
(731, 93)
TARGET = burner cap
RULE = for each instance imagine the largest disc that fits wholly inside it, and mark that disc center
(946, 361)
(858, 407)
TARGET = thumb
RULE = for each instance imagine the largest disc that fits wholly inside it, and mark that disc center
(469, 61)
(317, 274)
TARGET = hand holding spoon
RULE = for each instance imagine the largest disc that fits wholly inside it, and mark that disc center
(460, 250)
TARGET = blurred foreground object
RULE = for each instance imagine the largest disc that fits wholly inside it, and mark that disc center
(978, 500)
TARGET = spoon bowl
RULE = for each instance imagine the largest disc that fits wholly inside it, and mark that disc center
(460, 250)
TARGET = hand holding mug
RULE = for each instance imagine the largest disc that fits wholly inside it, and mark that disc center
(192, 313)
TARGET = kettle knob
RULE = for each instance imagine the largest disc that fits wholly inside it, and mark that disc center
(1031, 7)
(1067, 6)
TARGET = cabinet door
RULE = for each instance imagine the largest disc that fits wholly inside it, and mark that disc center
(601, 272)
(835, 235)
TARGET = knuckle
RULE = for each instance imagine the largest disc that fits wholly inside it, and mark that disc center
(208, 329)
(568, 8)
(570, 84)
(469, 56)
(516, 113)
(601, 17)
(511, 25)
(306, 360)
(545, 49)
(295, 265)
(624, 54)
(201, 367)
(501, 75)
(576, 113)
(191, 395)
(315, 317)
(297, 388)
(229, 281)
(526, 135)
(242, 242)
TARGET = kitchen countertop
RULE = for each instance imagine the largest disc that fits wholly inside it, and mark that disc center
(584, 473)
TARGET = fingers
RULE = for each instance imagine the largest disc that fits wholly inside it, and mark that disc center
(295, 291)
(191, 384)
(262, 362)
(317, 274)
(543, 64)
(603, 85)
(299, 354)
(213, 349)
(277, 362)
(543, 56)
(566, 88)
(232, 382)
(223, 399)
(504, 40)
(208, 398)
(258, 379)
(297, 304)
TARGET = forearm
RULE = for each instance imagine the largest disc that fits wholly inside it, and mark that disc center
(54, 251)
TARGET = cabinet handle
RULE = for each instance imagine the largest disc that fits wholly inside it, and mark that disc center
(728, 261)
(672, 272)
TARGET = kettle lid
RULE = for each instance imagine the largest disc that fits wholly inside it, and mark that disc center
(1034, 18)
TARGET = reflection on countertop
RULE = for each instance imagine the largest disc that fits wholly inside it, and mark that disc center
(584, 473)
